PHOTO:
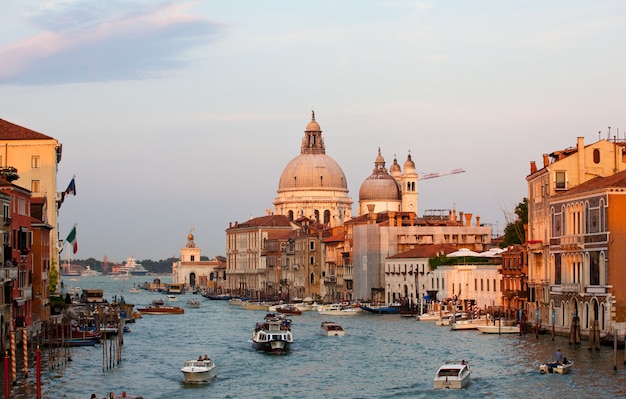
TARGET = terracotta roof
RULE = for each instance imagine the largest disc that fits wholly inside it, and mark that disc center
(425, 251)
(265, 221)
(616, 180)
(336, 238)
(11, 131)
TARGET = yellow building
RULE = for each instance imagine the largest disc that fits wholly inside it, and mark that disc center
(195, 274)
(36, 158)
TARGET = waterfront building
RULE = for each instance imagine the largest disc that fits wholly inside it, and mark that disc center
(474, 284)
(246, 269)
(514, 277)
(337, 267)
(18, 254)
(377, 236)
(194, 273)
(8, 272)
(41, 263)
(36, 157)
(587, 278)
(407, 274)
(563, 170)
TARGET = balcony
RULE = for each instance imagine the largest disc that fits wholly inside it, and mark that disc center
(330, 280)
(572, 242)
(572, 288)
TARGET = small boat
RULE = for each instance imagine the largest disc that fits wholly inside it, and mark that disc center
(193, 303)
(338, 309)
(453, 375)
(289, 310)
(557, 367)
(256, 306)
(273, 335)
(332, 329)
(172, 298)
(218, 297)
(447, 320)
(200, 370)
(134, 290)
(157, 307)
(391, 309)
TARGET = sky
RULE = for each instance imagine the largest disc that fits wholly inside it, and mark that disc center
(179, 116)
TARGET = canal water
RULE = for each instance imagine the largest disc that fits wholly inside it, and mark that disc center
(381, 356)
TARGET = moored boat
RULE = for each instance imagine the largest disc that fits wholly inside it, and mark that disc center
(332, 329)
(499, 328)
(193, 303)
(453, 375)
(273, 335)
(338, 309)
(391, 309)
(200, 370)
(468, 324)
(289, 310)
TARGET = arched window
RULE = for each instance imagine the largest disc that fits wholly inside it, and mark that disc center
(596, 156)
(290, 215)
(317, 215)
(326, 216)
(312, 279)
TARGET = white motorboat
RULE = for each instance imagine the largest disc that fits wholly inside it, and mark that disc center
(200, 370)
(172, 298)
(432, 315)
(557, 367)
(447, 320)
(453, 375)
(193, 303)
(332, 329)
(273, 335)
(498, 329)
(338, 309)
(469, 324)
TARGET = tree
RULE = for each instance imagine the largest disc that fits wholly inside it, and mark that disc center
(514, 230)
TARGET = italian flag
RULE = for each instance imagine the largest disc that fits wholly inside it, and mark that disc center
(71, 239)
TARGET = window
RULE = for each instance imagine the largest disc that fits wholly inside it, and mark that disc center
(35, 162)
(312, 245)
(560, 183)
(596, 156)
(35, 186)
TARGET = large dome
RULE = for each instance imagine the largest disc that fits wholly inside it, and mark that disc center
(312, 171)
(312, 184)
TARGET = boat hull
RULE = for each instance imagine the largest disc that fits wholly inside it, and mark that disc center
(331, 329)
(162, 310)
(452, 376)
(491, 329)
(199, 371)
(550, 368)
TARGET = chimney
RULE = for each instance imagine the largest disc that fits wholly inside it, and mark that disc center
(477, 221)
(392, 218)
(533, 167)
(461, 218)
(468, 219)
(372, 215)
(546, 160)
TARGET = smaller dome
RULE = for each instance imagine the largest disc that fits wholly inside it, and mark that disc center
(379, 187)
(409, 164)
(395, 168)
(313, 126)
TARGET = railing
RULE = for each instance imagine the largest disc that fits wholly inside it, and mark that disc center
(572, 241)
(572, 288)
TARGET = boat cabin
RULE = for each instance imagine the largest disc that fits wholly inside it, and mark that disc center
(92, 296)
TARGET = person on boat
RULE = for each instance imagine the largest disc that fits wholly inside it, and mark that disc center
(463, 362)
(206, 357)
(200, 358)
(94, 396)
(558, 356)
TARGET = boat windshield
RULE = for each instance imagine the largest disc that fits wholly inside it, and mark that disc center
(448, 373)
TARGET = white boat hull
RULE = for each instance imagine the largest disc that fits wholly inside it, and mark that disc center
(549, 368)
(491, 329)
(452, 375)
(196, 371)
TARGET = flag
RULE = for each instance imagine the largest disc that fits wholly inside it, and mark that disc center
(71, 239)
(71, 188)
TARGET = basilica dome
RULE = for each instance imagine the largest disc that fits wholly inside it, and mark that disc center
(379, 186)
(312, 184)
(312, 169)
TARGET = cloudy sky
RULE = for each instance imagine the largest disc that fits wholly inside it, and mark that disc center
(180, 115)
